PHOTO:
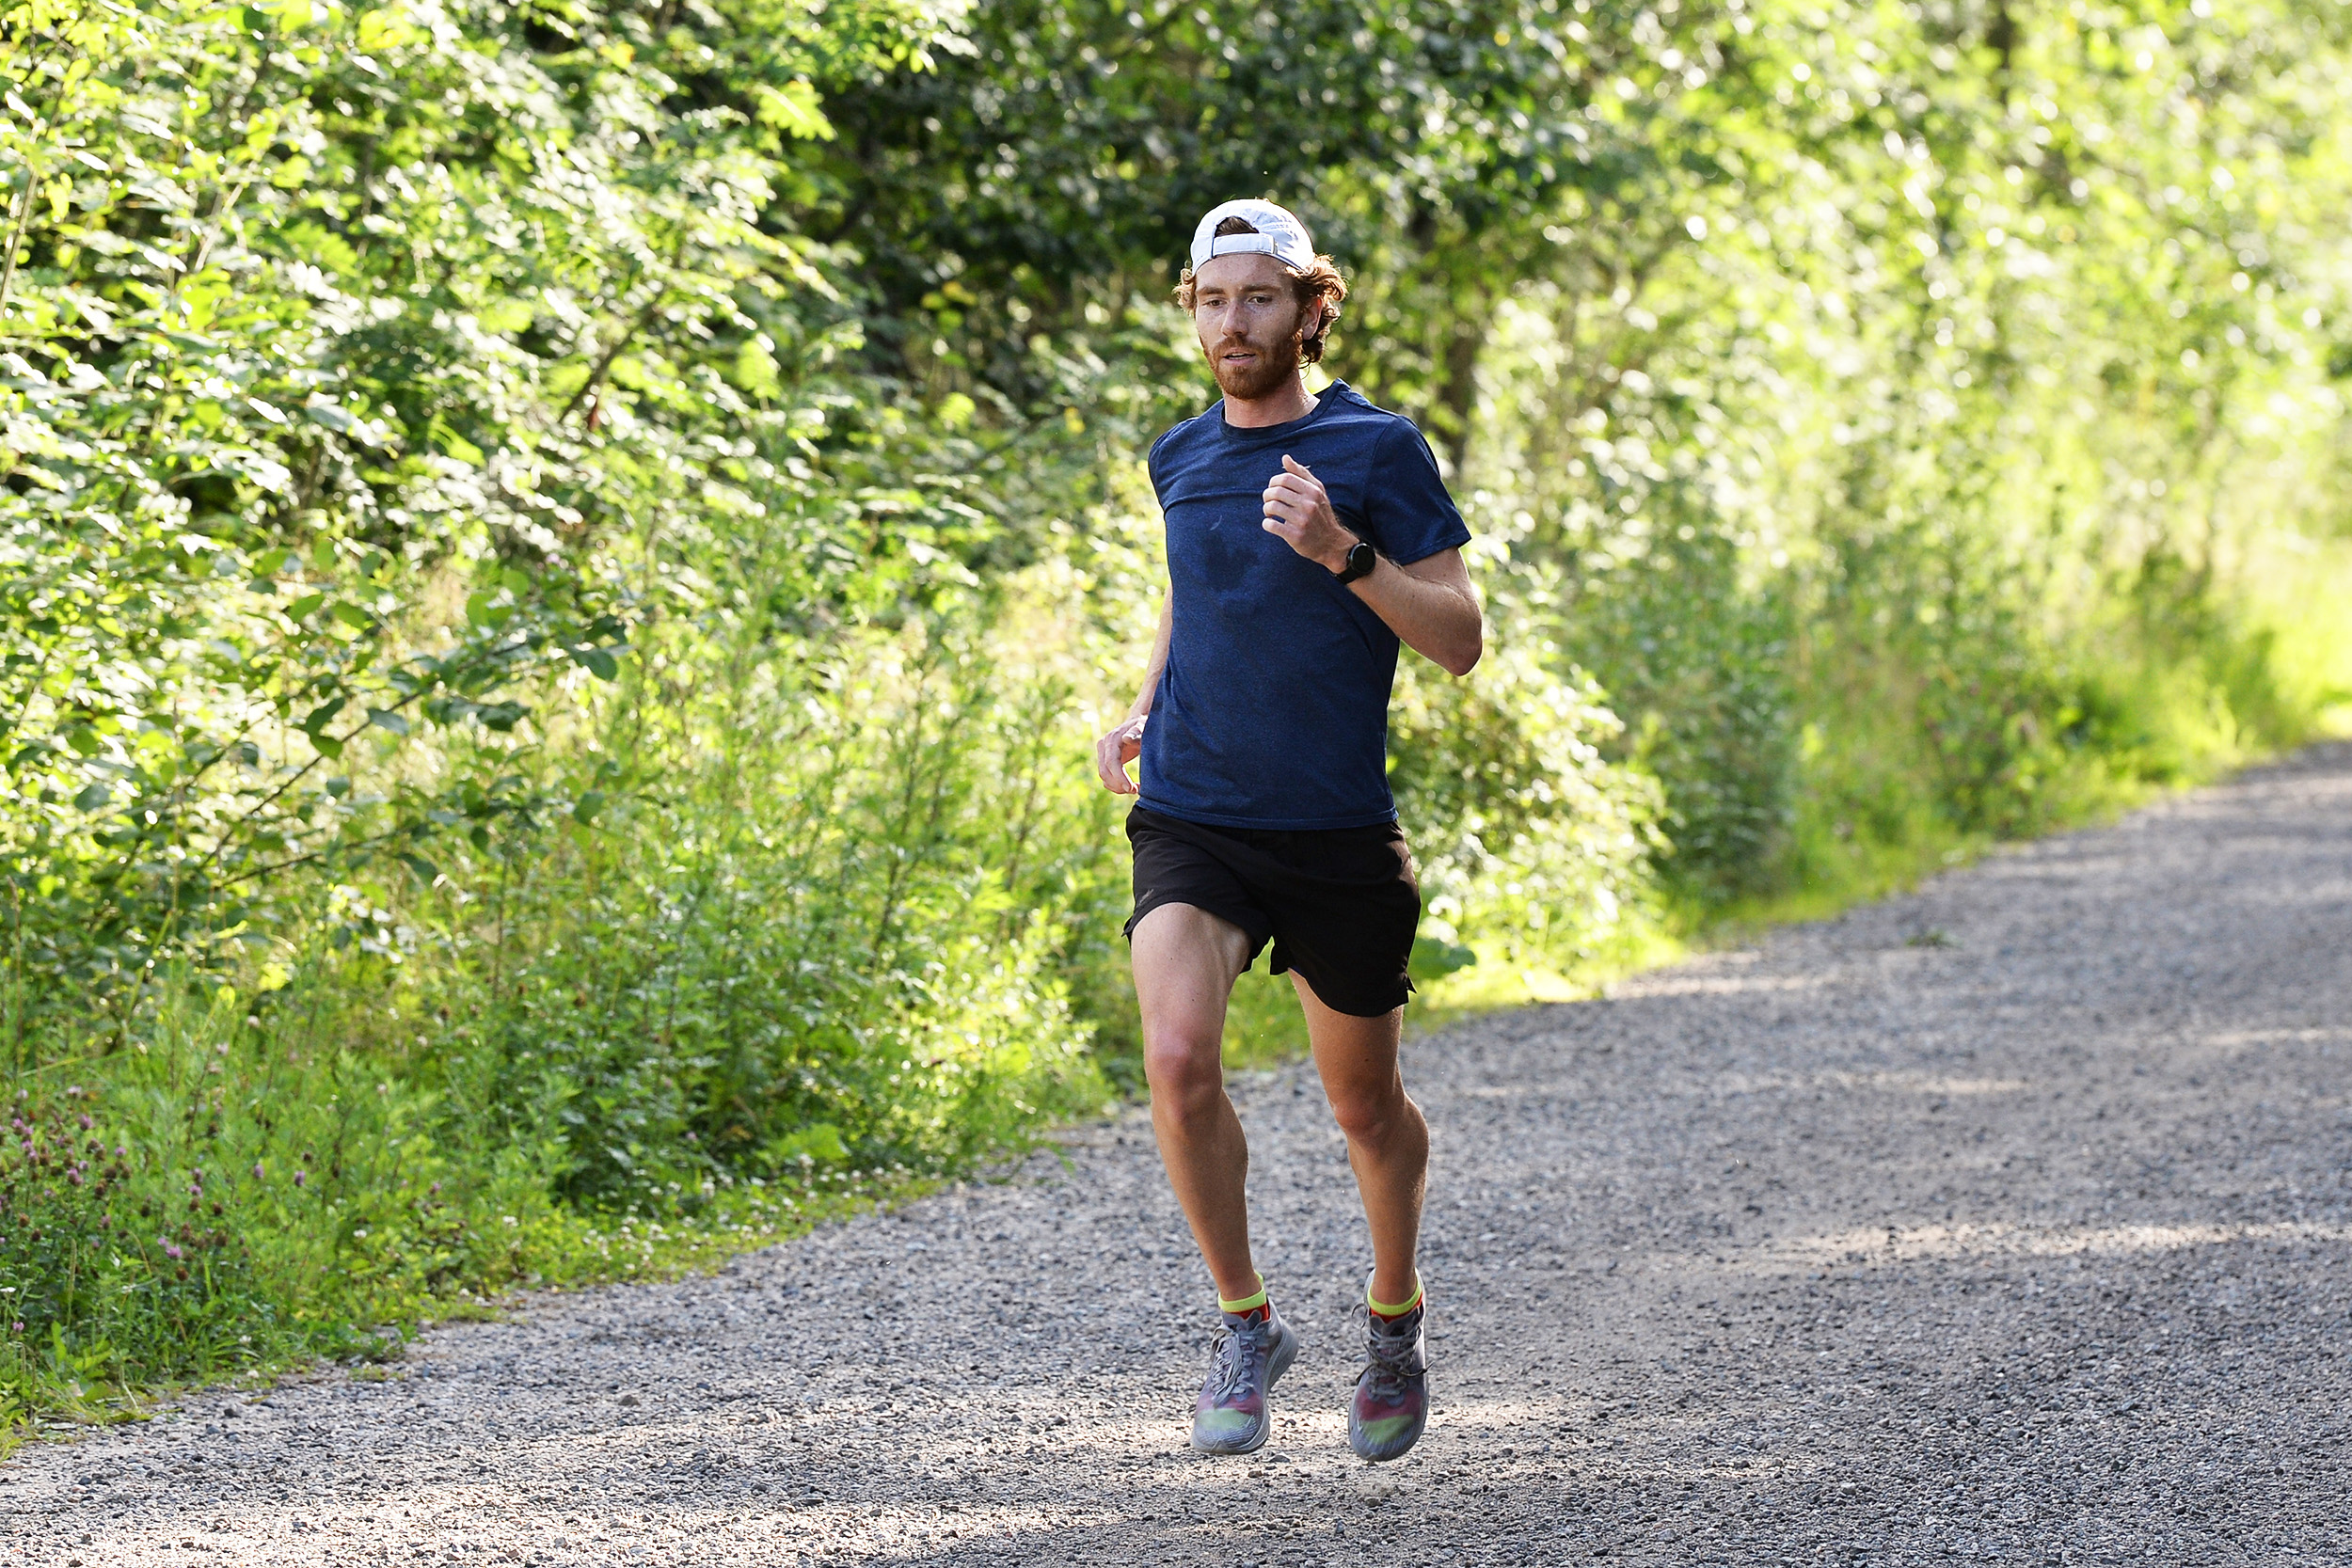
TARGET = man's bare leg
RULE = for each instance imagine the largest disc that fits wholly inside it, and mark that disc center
(1388, 1144)
(1388, 1141)
(1185, 960)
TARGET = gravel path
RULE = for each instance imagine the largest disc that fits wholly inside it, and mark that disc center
(2009, 1221)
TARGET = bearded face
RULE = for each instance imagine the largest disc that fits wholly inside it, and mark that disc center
(1248, 312)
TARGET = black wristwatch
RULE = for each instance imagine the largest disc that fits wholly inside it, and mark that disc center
(1361, 558)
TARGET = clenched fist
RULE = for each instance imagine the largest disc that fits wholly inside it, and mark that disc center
(1298, 511)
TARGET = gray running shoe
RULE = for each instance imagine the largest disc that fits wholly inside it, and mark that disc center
(1392, 1404)
(1231, 1415)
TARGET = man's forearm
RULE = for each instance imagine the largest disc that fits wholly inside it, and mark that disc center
(1438, 618)
(1151, 672)
(1142, 704)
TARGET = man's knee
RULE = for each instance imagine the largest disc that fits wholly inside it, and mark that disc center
(1187, 1073)
(1369, 1113)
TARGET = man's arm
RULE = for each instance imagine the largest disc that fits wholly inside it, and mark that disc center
(1430, 604)
(1124, 743)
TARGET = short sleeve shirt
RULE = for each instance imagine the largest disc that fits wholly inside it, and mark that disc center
(1273, 710)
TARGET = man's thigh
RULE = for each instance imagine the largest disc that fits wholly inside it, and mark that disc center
(1185, 960)
(1353, 1057)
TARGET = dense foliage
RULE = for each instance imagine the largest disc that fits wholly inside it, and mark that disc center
(558, 562)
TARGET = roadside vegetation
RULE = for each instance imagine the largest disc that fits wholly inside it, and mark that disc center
(560, 563)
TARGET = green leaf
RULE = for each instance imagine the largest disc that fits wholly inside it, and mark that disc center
(387, 28)
(93, 796)
(585, 809)
(1434, 959)
(601, 664)
(819, 1144)
(384, 718)
(793, 109)
(455, 445)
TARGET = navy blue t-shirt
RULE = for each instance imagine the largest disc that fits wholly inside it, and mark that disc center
(1273, 711)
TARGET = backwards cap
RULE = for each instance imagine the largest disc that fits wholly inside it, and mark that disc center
(1280, 234)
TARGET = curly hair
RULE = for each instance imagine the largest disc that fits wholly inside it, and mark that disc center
(1320, 286)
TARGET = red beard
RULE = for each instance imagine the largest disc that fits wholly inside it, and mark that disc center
(1275, 364)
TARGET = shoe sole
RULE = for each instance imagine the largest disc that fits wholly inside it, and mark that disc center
(1277, 1364)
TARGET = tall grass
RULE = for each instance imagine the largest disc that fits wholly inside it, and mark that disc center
(228, 1195)
(243, 1192)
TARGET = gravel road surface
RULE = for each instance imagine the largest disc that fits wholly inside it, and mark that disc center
(2010, 1221)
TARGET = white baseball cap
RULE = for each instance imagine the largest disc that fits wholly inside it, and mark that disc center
(1280, 234)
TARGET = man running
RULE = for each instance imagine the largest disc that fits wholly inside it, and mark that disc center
(1307, 537)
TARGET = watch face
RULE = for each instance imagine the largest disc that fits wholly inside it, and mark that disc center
(1360, 559)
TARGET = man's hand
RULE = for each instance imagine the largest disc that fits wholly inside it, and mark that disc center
(1116, 749)
(1298, 511)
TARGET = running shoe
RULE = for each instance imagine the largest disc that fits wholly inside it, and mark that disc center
(1392, 1404)
(1232, 1416)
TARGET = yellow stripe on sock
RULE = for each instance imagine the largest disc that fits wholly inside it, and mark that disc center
(1247, 1304)
(1399, 1310)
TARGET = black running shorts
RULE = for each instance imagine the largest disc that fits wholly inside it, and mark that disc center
(1339, 904)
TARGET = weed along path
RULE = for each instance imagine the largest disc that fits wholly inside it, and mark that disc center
(2010, 1221)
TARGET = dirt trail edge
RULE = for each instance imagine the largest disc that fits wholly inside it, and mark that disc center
(2011, 1220)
